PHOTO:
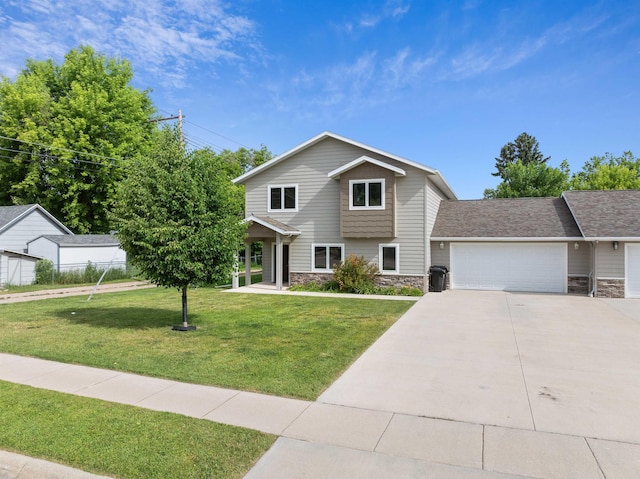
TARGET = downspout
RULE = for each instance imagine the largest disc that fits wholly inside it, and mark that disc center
(594, 269)
(426, 236)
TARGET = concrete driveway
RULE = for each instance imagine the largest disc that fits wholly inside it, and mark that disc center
(555, 363)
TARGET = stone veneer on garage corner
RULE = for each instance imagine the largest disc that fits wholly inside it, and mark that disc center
(610, 288)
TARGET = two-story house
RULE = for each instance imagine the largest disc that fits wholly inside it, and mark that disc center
(331, 197)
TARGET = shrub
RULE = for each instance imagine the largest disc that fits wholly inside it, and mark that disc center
(356, 275)
(44, 271)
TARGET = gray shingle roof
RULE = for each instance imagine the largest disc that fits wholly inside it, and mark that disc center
(276, 225)
(10, 213)
(83, 240)
(606, 214)
(505, 218)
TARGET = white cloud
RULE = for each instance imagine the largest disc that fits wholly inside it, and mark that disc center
(502, 53)
(346, 88)
(394, 9)
(162, 38)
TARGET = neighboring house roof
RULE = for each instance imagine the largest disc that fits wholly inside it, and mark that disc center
(274, 225)
(17, 253)
(513, 218)
(82, 240)
(436, 176)
(10, 215)
(606, 215)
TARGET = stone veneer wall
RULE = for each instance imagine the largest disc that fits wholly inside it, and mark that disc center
(384, 280)
(578, 285)
(610, 288)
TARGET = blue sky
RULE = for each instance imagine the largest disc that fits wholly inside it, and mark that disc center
(443, 83)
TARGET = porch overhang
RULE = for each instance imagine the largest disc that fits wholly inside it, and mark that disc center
(267, 227)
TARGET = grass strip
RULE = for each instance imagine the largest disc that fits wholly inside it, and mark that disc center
(122, 441)
(291, 346)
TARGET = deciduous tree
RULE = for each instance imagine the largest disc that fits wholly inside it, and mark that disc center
(531, 180)
(67, 132)
(179, 217)
(608, 173)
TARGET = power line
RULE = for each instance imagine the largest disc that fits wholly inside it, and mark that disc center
(217, 134)
(51, 147)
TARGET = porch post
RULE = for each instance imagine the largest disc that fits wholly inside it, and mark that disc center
(247, 264)
(278, 261)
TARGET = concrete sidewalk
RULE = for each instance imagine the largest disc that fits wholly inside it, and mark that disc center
(464, 385)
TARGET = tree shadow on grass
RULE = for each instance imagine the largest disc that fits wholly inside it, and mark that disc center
(124, 318)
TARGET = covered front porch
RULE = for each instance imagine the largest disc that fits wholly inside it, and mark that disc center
(276, 237)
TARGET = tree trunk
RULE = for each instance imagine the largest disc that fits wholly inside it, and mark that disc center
(184, 307)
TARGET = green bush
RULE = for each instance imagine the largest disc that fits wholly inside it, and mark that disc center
(44, 271)
(356, 275)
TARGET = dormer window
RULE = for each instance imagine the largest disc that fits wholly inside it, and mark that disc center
(366, 194)
(283, 198)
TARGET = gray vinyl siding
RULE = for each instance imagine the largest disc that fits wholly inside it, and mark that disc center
(610, 262)
(580, 259)
(318, 214)
(434, 198)
(441, 257)
(35, 224)
(410, 197)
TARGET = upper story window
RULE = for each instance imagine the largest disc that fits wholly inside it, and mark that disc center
(283, 198)
(366, 194)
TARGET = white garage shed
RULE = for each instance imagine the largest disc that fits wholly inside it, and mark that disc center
(69, 252)
(17, 269)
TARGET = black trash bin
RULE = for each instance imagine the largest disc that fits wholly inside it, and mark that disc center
(437, 278)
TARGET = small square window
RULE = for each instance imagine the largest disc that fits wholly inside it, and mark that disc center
(283, 198)
(366, 194)
(326, 257)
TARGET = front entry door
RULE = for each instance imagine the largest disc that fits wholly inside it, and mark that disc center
(285, 263)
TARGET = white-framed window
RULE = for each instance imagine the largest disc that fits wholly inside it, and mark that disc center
(366, 194)
(282, 198)
(325, 257)
(389, 255)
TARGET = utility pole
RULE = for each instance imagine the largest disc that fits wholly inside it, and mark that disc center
(179, 117)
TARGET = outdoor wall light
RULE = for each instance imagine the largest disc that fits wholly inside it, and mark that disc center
(441, 245)
(615, 245)
(576, 246)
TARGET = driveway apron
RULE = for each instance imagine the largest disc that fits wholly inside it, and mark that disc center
(554, 363)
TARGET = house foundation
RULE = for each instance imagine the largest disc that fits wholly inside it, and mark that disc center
(610, 288)
(578, 285)
(384, 281)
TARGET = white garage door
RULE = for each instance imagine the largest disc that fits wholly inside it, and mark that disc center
(536, 267)
(632, 270)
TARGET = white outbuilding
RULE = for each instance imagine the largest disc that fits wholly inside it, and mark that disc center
(70, 252)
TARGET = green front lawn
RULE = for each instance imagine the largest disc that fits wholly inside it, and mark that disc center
(284, 345)
(123, 441)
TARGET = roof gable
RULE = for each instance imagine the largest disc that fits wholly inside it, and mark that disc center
(606, 214)
(513, 218)
(10, 215)
(365, 159)
(434, 175)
